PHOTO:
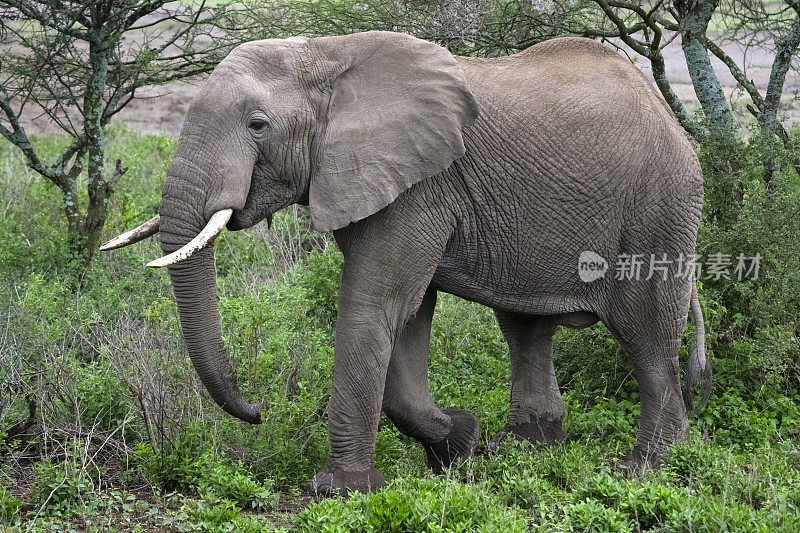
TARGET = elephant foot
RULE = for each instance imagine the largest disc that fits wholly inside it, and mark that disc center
(537, 431)
(333, 482)
(638, 461)
(459, 443)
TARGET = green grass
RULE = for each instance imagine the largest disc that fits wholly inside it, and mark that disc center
(125, 438)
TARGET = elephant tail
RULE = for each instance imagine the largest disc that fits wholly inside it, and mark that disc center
(698, 365)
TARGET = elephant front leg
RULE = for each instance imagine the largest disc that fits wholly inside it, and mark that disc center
(537, 409)
(387, 269)
(361, 357)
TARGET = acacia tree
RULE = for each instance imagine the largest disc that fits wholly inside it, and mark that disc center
(646, 27)
(79, 62)
(465, 27)
(774, 26)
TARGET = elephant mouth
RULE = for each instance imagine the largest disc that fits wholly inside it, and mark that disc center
(241, 219)
(247, 218)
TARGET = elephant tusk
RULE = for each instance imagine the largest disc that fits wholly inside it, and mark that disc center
(208, 234)
(137, 234)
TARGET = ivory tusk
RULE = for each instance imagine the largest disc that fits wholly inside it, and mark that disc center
(208, 234)
(137, 234)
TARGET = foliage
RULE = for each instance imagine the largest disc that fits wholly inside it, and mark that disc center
(9, 506)
(185, 467)
(702, 487)
(754, 319)
(465, 27)
(212, 515)
(414, 505)
(60, 485)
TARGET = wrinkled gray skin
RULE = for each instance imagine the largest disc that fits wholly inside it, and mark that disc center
(484, 178)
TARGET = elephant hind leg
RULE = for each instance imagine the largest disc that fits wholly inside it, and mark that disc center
(445, 434)
(652, 340)
(537, 409)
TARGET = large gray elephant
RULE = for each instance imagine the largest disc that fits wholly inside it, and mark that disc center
(490, 179)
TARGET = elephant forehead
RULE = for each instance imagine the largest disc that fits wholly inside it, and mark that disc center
(219, 101)
(265, 58)
(234, 97)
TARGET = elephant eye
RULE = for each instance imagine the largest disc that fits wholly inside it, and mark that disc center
(258, 125)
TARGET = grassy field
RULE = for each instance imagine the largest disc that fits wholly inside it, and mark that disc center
(126, 439)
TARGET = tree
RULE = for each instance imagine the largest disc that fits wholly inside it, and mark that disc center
(79, 62)
(774, 26)
(646, 28)
(465, 27)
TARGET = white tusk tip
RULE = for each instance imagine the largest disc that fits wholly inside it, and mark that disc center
(137, 234)
(157, 263)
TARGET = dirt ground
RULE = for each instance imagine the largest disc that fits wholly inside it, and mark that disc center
(161, 110)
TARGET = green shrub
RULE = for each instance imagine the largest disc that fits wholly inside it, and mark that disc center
(173, 468)
(9, 507)
(193, 465)
(469, 365)
(213, 515)
(413, 505)
(104, 401)
(592, 516)
(224, 482)
(66, 485)
(608, 419)
(321, 278)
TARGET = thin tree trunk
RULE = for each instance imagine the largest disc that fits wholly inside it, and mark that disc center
(704, 80)
(768, 114)
(706, 85)
(695, 17)
(688, 123)
(98, 188)
(784, 53)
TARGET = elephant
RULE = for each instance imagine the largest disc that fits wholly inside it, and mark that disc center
(487, 178)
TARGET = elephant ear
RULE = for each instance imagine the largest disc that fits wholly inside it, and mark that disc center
(395, 115)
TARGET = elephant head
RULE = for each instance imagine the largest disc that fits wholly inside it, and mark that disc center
(344, 124)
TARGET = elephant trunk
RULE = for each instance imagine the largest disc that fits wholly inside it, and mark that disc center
(195, 288)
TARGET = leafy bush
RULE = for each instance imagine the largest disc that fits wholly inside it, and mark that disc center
(189, 467)
(213, 515)
(104, 401)
(238, 487)
(9, 507)
(593, 516)
(413, 505)
(65, 485)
